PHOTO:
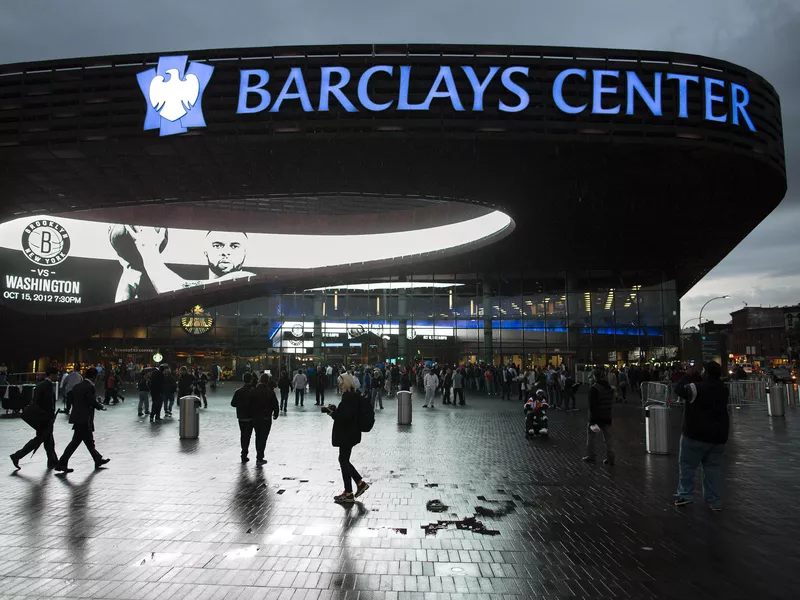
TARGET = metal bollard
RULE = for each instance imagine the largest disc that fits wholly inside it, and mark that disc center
(657, 429)
(776, 400)
(189, 425)
(404, 407)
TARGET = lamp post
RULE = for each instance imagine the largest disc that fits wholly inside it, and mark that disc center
(706, 304)
(689, 321)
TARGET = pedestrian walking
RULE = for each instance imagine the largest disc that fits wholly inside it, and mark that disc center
(200, 381)
(601, 404)
(242, 401)
(185, 383)
(284, 385)
(704, 433)
(345, 435)
(299, 384)
(44, 405)
(82, 420)
(68, 382)
(265, 410)
(377, 385)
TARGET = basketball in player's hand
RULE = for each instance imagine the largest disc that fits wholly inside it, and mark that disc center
(123, 244)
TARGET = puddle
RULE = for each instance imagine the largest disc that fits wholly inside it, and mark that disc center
(436, 506)
(289, 478)
(468, 524)
(496, 512)
(431, 485)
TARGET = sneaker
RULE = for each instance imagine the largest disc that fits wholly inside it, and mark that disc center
(103, 461)
(15, 462)
(344, 498)
(361, 488)
(682, 502)
(589, 459)
(609, 462)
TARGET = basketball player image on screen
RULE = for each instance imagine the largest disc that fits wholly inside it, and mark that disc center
(139, 251)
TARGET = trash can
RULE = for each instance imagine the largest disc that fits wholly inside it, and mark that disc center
(403, 407)
(189, 425)
(656, 418)
(776, 400)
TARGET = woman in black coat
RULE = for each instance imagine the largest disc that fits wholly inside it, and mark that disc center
(346, 434)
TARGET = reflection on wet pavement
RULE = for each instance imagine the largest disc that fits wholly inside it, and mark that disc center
(517, 519)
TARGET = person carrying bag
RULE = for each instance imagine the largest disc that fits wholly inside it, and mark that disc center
(40, 414)
(351, 417)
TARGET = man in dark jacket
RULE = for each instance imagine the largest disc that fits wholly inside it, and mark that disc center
(243, 401)
(265, 409)
(185, 383)
(601, 403)
(321, 384)
(82, 420)
(703, 434)
(157, 393)
(44, 399)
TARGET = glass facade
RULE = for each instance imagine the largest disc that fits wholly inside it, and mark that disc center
(445, 318)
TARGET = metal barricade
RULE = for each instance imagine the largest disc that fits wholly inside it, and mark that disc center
(747, 393)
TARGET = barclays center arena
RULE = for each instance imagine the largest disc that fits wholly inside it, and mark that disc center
(373, 203)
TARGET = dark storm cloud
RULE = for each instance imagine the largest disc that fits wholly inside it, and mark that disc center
(763, 35)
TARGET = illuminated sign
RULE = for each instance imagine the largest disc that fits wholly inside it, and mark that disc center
(173, 93)
(92, 263)
(157, 357)
(197, 321)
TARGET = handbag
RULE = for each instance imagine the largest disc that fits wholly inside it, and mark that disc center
(35, 416)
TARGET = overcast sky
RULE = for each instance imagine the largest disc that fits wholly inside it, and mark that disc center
(763, 35)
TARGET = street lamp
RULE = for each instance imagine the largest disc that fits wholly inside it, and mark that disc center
(707, 303)
(687, 322)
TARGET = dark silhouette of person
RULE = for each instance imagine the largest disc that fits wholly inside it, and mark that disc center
(82, 420)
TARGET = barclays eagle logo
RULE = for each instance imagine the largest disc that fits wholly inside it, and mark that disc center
(174, 94)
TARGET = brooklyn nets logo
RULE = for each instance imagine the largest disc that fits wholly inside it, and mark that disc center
(45, 242)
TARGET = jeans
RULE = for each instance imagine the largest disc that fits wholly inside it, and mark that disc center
(262, 427)
(43, 436)
(693, 454)
(349, 472)
(169, 401)
(299, 395)
(144, 402)
(376, 397)
(81, 433)
(605, 429)
(429, 395)
(458, 393)
(246, 431)
(284, 399)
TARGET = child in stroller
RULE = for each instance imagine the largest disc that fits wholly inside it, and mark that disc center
(536, 415)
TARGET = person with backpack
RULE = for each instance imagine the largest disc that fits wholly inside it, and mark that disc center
(351, 417)
(601, 404)
(242, 401)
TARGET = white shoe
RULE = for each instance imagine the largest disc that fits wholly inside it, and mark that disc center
(543, 432)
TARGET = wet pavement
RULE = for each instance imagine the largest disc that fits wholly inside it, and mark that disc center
(461, 506)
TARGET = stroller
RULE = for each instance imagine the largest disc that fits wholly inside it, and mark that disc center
(536, 415)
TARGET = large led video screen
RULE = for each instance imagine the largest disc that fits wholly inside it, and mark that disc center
(59, 263)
